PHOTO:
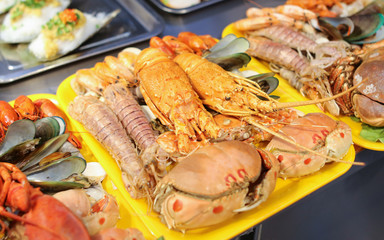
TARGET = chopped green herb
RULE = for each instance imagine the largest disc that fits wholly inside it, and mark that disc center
(16, 13)
(34, 3)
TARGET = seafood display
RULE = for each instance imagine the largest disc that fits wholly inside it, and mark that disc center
(319, 56)
(151, 71)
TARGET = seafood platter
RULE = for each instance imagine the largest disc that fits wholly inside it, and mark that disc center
(182, 6)
(157, 121)
(37, 36)
(323, 60)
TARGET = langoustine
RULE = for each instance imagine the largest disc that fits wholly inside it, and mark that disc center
(233, 95)
(169, 94)
(103, 124)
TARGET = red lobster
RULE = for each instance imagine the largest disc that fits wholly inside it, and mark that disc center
(43, 216)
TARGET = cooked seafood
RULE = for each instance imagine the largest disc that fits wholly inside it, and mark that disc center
(316, 131)
(233, 95)
(103, 124)
(24, 21)
(133, 119)
(285, 56)
(111, 70)
(169, 94)
(66, 31)
(33, 218)
(368, 100)
(191, 195)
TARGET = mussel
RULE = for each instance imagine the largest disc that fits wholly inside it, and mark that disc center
(34, 148)
(229, 52)
(365, 26)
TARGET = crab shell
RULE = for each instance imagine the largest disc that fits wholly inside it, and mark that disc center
(214, 183)
(316, 131)
(369, 101)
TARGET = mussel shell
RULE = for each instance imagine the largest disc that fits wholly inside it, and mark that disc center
(231, 62)
(266, 81)
(223, 42)
(365, 26)
(379, 35)
(18, 132)
(238, 45)
(49, 127)
(18, 152)
(50, 146)
(55, 186)
(337, 28)
(56, 170)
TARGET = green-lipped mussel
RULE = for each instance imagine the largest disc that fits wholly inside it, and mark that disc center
(34, 148)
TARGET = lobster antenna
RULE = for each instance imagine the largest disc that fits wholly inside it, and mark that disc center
(280, 105)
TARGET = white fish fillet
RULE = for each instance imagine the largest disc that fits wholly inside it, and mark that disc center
(29, 26)
(93, 24)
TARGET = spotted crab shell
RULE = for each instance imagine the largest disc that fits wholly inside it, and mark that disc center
(369, 102)
(316, 131)
(208, 186)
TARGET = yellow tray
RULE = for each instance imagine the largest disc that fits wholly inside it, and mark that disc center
(286, 192)
(128, 217)
(355, 126)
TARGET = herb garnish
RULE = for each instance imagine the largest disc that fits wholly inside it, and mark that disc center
(33, 3)
(65, 21)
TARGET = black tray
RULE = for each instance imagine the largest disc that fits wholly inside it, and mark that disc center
(184, 10)
(136, 22)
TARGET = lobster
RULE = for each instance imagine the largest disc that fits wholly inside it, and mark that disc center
(233, 95)
(35, 219)
(169, 94)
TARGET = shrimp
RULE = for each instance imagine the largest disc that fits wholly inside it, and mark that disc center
(103, 124)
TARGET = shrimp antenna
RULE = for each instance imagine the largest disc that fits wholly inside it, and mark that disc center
(255, 3)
